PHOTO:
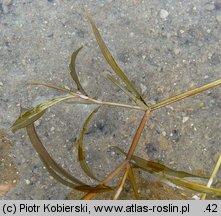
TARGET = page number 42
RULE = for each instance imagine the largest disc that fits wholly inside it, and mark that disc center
(211, 208)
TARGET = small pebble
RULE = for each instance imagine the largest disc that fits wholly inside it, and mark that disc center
(131, 34)
(185, 119)
(143, 88)
(37, 123)
(170, 107)
(208, 30)
(163, 14)
(195, 197)
(176, 51)
(1, 84)
(210, 55)
(164, 133)
(52, 129)
(27, 181)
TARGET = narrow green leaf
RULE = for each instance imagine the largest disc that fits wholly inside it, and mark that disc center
(35, 113)
(53, 167)
(185, 94)
(195, 186)
(59, 88)
(73, 72)
(133, 182)
(82, 188)
(152, 166)
(155, 167)
(22, 122)
(132, 96)
(109, 58)
(81, 153)
(56, 176)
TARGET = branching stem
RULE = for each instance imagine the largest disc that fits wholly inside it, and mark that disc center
(126, 162)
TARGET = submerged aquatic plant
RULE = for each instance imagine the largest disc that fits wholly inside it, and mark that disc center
(131, 162)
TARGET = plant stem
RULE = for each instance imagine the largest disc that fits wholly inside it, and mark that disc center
(86, 98)
(215, 170)
(120, 188)
(114, 104)
(90, 195)
(185, 94)
(115, 172)
(138, 134)
(106, 103)
(140, 129)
